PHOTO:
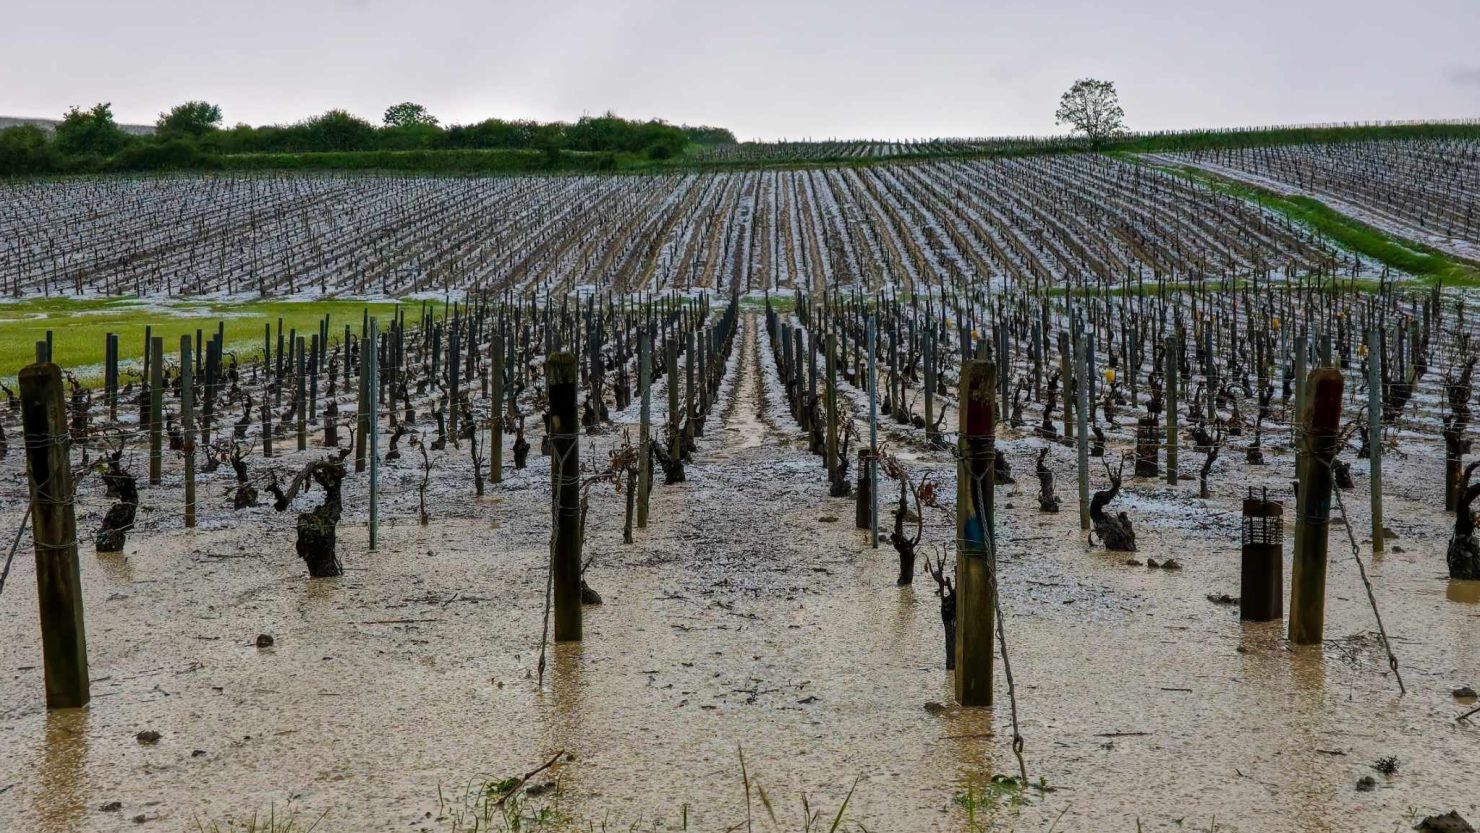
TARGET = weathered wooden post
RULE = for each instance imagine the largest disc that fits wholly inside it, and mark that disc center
(496, 412)
(111, 376)
(315, 360)
(565, 482)
(873, 430)
(1320, 423)
(54, 531)
(928, 343)
(1081, 416)
(362, 408)
(1262, 570)
(675, 440)
(1374, 433)
(187, 426)
(1172, 358)
(156, 409)
(300, 392)
(975, 574)
(645, 426)
(373, 359)
(830, 404)
(1301, 388)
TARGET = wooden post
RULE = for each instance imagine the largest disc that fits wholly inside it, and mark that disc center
(873, 430)
(561, 380)
(362, 409)
(111, 376)
(1081, 415)
(187, 426)
(156, 409)
(675, 443)
(315, 360)
(1301, 391)
(1173, 361)
(645, 429)
(54, 531)
(496, 412)
(300, 395)
(830, 403)
(1374, 433)
(373, 358)
(975, 576)
(1320, 422)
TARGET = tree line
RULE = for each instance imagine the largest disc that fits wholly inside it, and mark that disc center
(191, 136)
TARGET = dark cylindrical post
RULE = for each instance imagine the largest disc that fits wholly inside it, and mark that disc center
(156, 410)
(54, 531)
(496, 412)
(645, 421)
(675, 444)
(1262, 573)
(1172, 358)
(565, 484)
(1320, 421)
(111, 376)
(187, 426)
(975, 574)
(300, 395)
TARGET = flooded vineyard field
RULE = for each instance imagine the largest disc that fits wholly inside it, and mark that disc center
(753, 661)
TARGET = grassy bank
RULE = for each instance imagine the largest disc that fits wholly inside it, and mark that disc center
(1425, 263)
(80, 327)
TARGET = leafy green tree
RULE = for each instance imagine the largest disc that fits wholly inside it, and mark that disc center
(189, 119)
(337, 130)
(1092, 107)
(90, 132)
(408, 114)
(25, 150)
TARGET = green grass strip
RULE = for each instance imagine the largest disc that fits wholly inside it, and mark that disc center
(1423, 262)
(80, 326)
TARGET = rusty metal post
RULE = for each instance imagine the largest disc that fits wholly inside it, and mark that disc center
(1262, 571)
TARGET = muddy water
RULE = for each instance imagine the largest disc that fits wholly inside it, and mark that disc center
(738, 620)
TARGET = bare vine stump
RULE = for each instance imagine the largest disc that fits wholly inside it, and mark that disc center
(1464, 551)
(316, 528)
(1047, 500)
(1114, 531)
(1148, 447)
(122, 485)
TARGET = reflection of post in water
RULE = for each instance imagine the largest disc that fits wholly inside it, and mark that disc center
(564, 701)
(1314, 809)
(970, 733)
(1464, 592)
(59, 799)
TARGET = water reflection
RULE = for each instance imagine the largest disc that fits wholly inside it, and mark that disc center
(59, 796)
(1464, 592)
(117, 567)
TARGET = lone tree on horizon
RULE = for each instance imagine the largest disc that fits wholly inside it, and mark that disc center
(1093, 108)
(190, 119)
(408, 114)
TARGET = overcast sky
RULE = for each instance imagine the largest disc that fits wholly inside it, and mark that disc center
(764, 68)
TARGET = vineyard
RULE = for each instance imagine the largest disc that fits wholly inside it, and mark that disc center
(1061, 492)
(1034, 223)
